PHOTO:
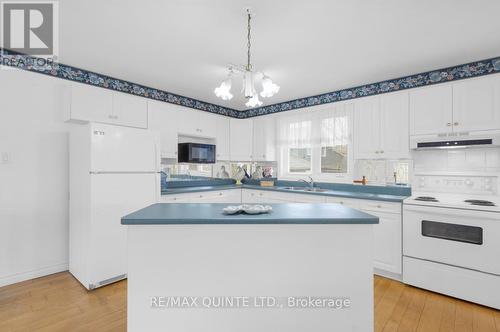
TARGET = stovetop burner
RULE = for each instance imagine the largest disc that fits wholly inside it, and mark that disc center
(426, 199)
(479, 202)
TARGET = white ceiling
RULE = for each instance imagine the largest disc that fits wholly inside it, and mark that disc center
(307, 47)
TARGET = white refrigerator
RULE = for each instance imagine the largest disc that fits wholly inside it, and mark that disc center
(113, 171)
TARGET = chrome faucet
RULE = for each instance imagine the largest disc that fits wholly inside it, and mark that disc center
(310, 182)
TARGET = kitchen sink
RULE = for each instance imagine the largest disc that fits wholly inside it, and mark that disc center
(315, 189)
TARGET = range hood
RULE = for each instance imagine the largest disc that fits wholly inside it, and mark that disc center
(455, 140)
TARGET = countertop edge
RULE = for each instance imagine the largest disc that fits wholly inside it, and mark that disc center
(353, 195)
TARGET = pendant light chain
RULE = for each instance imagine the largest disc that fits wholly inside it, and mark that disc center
(249, 66)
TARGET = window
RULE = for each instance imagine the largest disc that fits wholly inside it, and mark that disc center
(299, 149)
(334, 144)
(316, 143)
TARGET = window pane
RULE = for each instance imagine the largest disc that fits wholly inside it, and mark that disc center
(334, 144)
(299, 160)
(334, 159)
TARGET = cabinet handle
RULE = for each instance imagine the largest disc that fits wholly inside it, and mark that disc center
(201, 196)
(220, 194)
(448, 124)
(381, 151)
(456, 124)
(377, 152)
(110, 116)
(175, 198)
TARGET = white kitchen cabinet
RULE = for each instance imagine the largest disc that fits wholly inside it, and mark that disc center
(381, 126)
(476, 104)
(217, 196)
(387, 240)
(394, 123)
(222, 138)
(308, 198)
(130, 110)
(164, 118)
(241, 136)
(197, 123)
(85, 103)
(367, 128)
(431, 110)
(349, 202)
(264, 139)
(177, 198)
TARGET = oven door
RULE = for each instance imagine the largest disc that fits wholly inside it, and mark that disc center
(463, 238)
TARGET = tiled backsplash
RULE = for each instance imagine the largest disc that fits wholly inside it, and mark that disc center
(381, 172)
(457, 160)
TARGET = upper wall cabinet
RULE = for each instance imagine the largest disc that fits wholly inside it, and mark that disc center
(476, 104)
(85, 103)
(264, 139)
(165, 118)
(431, 110)
(222, 138)
(468, 105)
(241, 133)
(381, 126)
(197, 123)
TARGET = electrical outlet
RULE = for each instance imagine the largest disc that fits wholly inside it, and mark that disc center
(5, 158)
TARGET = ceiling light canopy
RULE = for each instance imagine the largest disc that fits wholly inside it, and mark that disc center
(249, 76)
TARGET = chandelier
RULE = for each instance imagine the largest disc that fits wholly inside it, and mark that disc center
(249, 77)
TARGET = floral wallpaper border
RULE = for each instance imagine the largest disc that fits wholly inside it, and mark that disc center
(59, 70)
(469, 70)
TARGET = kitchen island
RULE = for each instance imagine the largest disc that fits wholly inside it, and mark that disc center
(302, 267)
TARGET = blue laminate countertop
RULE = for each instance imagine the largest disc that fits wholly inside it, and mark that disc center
(287, 213)
(335, 193)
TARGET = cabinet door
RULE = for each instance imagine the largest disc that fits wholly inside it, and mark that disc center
(476, 104)
(308, 198)
(130, 110)
(394, 137)
(264, 139)
(431, 110)
(182, 198)
(222, 138)
(387, 240)
(352, 203)
(241, 133)
(188, 122)
(164, 118)
(251, 196)
(207, 125)
(90, 103)
(367, 128)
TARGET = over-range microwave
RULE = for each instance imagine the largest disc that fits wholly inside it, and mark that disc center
(196, 153)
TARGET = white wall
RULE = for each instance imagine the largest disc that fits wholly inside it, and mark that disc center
(34, 182)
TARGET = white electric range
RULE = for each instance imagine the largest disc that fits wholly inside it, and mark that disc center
(451, 237)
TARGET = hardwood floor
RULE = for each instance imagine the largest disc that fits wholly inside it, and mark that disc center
(59, 303)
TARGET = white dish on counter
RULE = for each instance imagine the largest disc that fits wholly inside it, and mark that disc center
(248, 209)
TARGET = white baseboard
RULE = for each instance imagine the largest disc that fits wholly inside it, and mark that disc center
(386, 274)
(15, 278)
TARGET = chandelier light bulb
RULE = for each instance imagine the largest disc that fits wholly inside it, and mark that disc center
(254, 101)
(224, 90)
(248, 87)
(269, 88)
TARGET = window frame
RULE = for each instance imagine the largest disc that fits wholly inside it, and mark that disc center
(316, 114)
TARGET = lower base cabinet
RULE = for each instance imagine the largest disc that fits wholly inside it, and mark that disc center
(387, 234)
